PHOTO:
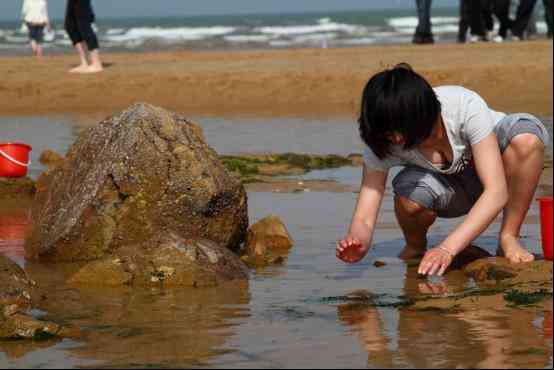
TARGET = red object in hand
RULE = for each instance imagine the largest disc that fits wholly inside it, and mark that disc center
(353, 253)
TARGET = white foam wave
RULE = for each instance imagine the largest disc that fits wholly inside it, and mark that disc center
(411, 22)
(322, 27)
(247, 38)
(356, 41)
(170, 34)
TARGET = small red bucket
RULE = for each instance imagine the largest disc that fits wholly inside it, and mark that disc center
(14, 159)
(546, 226)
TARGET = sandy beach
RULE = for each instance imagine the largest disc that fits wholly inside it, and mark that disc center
(296, 82)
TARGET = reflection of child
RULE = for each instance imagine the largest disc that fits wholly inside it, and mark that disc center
(35, 16)
(460, 158)
(79, 18)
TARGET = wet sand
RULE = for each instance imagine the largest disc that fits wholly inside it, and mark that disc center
(512, 77)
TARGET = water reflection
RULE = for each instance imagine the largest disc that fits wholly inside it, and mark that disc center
(128, 327)
(485, 338)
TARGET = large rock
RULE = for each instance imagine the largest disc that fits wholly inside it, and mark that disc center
(166, 260)
(129, 178)
(15, 301)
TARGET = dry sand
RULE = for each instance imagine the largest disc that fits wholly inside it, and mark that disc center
(512, 77)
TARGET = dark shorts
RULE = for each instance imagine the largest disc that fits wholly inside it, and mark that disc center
(454, 195)
(78, 24)
(36, 32)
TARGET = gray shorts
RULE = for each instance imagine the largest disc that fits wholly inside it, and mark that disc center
(454, 195)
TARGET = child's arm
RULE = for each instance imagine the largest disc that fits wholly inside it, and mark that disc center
(365, 216)
(490, 168)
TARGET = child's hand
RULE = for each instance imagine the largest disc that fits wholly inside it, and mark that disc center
(351, 250)
(435, 261)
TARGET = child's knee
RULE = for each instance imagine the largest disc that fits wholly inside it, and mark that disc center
(526, 145)
(410, 207)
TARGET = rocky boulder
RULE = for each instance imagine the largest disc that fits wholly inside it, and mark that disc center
(15, 301)
(143, 172)
(15, 189)
(267, 242)
(166, 260)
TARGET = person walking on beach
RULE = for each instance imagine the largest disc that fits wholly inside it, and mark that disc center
(35, 16)
(423, 33)
(460, 157)
(524, 14)
(79, 18)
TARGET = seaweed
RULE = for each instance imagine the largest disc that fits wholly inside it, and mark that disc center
(519, 298)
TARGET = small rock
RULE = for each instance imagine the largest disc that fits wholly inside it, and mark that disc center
(379, 264)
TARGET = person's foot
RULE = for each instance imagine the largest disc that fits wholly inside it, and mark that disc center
(511, 249)
(79, 69)
(93, 69)
(411, 253)
(423, 40)
(476, 38)
(498, 39)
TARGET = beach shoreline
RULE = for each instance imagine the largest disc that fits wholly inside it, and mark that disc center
(514, 77)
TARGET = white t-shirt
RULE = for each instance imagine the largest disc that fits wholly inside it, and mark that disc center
(467, 120)
(35, 11)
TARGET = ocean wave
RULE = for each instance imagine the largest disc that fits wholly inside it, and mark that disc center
(247, 38)
(411, 22)
(170, 34)
(322, 27)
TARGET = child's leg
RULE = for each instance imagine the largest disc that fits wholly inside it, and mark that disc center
(422, 196)
(415, 220)
(523, 163)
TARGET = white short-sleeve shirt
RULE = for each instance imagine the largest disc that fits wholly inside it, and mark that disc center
(467, 120)
(35, 11)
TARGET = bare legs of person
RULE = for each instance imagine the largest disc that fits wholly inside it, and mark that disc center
(523, 163)
(37, 49)
(95, 64)
(415, 221)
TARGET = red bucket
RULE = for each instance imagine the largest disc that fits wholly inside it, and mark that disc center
(546, 226)
(14, 159)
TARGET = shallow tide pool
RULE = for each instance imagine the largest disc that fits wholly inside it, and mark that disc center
(289, 316)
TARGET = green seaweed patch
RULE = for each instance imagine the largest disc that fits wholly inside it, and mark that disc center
(248, 165)
(519, 298)
(243, 166)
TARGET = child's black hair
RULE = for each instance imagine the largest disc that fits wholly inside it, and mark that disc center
(397, 100)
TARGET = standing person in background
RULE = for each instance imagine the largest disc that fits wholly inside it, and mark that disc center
(79, 18)
(35, 16)
(501, 9)
(477, 20)
(525, 12)
(465, 19)
(423, 33)
(548, 16)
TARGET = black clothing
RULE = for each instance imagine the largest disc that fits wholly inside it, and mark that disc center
(79, 17)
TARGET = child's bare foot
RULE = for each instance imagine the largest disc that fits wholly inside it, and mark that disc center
(79, 69)
(411, 253)
(512, 250)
